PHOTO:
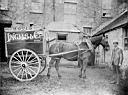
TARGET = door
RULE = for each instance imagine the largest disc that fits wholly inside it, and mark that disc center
(2, 45)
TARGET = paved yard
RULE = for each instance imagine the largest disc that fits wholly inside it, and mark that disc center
(97, 82)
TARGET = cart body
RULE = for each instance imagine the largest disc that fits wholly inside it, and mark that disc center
(25, 51)
(29, 39)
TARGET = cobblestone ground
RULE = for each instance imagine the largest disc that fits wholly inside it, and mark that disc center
(97, 82)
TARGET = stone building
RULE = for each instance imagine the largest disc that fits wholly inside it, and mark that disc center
(39, 13)
(61, 31)
(42, 12)
(116, 29)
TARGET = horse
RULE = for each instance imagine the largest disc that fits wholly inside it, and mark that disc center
(83, 57)
(96, 41)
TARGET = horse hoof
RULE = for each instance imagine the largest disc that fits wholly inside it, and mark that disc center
(84, 77)
(80, 76)
(59, 76)
(48, 76)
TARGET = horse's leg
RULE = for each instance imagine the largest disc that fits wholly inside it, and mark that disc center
(80, 62)
(50, 65)
(85, 61)
(57, 67)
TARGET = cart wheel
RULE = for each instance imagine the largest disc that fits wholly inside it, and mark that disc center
(24, 64)
(43, 65)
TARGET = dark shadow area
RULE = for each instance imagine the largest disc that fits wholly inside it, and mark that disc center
(8, 81)
(9, 85)
(4, 92)
(123, 87)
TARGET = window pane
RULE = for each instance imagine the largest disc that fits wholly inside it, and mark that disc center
(36, 7)
(126, 47)
(36, 1)
(106, 4)
(4, 4)
(70, 18)
(126, 32)
(70, 8)
(126, 40)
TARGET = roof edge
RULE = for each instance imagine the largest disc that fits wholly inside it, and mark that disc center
(111, 21)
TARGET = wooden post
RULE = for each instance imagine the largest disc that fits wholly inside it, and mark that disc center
(44, 13)
(44, 34)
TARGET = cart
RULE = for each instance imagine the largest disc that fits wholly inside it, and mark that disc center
(24, 49)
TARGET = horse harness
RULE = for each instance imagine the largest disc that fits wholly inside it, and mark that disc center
(86, 50)
(79, 52)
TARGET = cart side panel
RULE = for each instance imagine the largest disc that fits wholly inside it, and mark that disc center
(36, 47)
(24, 39)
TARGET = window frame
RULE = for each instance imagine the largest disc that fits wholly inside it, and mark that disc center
(125, 36)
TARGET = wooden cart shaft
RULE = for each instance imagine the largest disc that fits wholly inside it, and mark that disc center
(67, 52)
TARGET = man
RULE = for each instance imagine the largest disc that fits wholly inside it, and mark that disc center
(116, 60)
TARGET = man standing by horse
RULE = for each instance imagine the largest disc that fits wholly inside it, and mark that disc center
(116, 61)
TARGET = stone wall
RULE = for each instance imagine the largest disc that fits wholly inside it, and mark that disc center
(113, 35)
(87, 12)
(117, 35)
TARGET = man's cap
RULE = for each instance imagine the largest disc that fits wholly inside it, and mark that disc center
(115, 42)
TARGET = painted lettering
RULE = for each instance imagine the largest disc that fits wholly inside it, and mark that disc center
(20, 36)
(31, 36)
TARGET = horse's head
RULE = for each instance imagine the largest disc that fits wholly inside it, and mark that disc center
(100, 40)
(105, 43)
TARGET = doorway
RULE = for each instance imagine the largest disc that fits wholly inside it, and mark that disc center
(2, 45)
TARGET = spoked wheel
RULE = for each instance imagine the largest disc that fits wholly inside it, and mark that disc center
(24, 64)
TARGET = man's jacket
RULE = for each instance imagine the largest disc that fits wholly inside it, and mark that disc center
(117, 56)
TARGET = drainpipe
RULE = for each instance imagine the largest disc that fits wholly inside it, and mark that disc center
(54, 10)
(104, 55)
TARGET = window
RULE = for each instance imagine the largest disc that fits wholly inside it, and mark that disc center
(106, 4)
(3, 4)
(106, 13)
(62, 37)
(106, 8)
(70, 8)
(125, 38)
(87, 30)
(70, 18)
(70, 11)
(37, 6)
(37, 1)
